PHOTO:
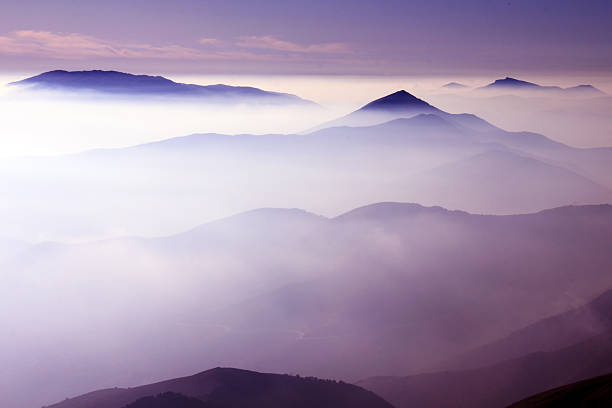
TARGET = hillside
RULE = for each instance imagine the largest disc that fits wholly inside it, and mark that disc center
(231, 388)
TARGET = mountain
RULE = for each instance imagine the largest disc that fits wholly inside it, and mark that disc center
(401, 286)
(231, 388)
(416, 154)
(592, 393)
(454, 85)
(548, 334)
(501, 384)
(401, 101)
(400, 104)
(508, 83)
(486, 180)
(124, 84)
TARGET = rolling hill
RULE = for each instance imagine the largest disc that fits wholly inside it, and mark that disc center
(231, 388)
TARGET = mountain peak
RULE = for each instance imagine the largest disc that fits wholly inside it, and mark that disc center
(400, 104)
(400, 100)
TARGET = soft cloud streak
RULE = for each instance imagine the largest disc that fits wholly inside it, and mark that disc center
(269, 42)
(77, 46)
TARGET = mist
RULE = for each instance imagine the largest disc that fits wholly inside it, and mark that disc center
(289, 291)
(375, 232)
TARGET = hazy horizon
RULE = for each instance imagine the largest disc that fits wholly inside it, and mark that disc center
(337, 95)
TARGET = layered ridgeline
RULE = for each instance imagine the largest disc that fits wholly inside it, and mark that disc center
(113, 83)
(388, 289)
(550, 353)
(231, 388)
(404, 149)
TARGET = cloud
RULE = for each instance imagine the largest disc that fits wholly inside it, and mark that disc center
(209, 41)
(269, 42)
(78, 46)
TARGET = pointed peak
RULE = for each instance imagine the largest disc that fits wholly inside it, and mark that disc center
(400, 100)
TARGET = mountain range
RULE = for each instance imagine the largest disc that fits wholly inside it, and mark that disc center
(114, 83)
(422, 153)
(485, 288)
(288, 291)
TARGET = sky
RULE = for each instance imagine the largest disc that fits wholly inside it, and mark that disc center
(308, 37)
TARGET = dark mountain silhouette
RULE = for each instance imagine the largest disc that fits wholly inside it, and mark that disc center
(518, 85)
(508, 82)
(592, 393)
(501, 384)
(400, 104)
(549, 334)
(398, 101)
(454, 85)
(124, 84)
(232, 388)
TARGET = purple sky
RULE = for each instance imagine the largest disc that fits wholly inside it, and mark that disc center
(289, 36)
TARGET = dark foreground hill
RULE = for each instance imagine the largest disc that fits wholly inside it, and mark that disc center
(232, 388)
(592, 393)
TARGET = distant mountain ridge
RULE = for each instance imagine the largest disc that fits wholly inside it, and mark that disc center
(454, 85)
(509, 83)
(120, 83)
